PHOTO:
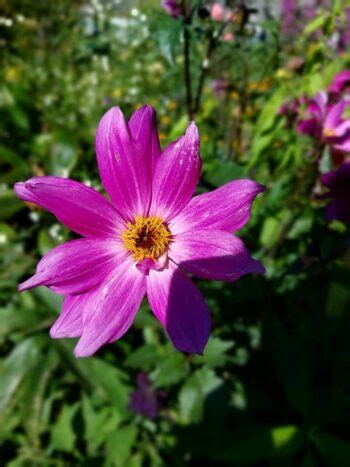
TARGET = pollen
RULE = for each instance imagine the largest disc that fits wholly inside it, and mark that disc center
(146, 237)
(328, 133)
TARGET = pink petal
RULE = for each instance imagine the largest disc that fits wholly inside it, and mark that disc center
(180, 307)
(310, 126)
(111, 309)
(176, 175)
(342, 129)
(226, 208)
(143, 129)
(343, 145)
(69, 323)
(333, 118)
(77, 266)
(318, 105)
(213, 254)
(124, 168)
(77, 206)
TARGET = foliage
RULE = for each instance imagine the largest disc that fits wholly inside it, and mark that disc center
(272, 386)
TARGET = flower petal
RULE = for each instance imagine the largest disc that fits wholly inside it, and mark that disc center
(77, 266)
(77, 206)
(333, 118)
(310, 126)
(124, 169)
(180, 307)
(176, 175)
(69, 323)
(143, 129)
(213, 254)
(111, 309)
(226, 208)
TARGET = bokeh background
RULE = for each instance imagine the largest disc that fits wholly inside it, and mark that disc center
(272, 388)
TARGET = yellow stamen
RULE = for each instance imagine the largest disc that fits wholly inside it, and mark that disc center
(146, 237)
(328, 133)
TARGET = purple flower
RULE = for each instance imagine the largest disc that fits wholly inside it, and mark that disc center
(326, 122)
(173, 7)
(296, 14)
(145, 240)
(338, 183)
(340, 84)
(145, 400)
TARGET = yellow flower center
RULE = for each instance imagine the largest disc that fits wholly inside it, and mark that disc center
(328, 133)
(146, 237)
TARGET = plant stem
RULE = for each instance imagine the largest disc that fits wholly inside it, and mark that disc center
(187, 69)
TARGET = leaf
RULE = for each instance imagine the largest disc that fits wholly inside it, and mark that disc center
(335, 451)
(194, 392)
(108, 381)
(9, 204)
(64, 154)
(63, 435)
(171, 370)
(220, 173)
(260, 443)
(119, 446)
(99, 423)
(317, 23)
(16, 366)
(144, 357)
(168, 37)
(215, 353)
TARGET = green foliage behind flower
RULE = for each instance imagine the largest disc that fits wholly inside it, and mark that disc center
(272, 387)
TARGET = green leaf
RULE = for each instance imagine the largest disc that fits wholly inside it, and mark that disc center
(99, 423)
(144, 357)
(317, 23)
(194, 392)
(171, 370)
(335, 451)
(108, 381)
(15, 367)
(63, 435)
(260, 443)
(119, 446)
(215, 353)
(9, 204)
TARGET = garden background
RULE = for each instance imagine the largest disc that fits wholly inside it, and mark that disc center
(272, 388)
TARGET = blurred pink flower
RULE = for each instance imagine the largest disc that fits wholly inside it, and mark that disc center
(340, 84)
(145, 240)
(220, 13)
(326, 122)
(217, 12)
(228, 37)
(173, 7)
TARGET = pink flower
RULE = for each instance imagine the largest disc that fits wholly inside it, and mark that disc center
(326, 122)
(228, 37)
(338, 183)
(340, 84)
(173, 7)
(217, 12)
(145, 240)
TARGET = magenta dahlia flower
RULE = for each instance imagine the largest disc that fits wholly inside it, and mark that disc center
(145, 240)
(326, 122)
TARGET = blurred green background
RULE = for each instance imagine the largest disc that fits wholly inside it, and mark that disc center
(272, 388)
